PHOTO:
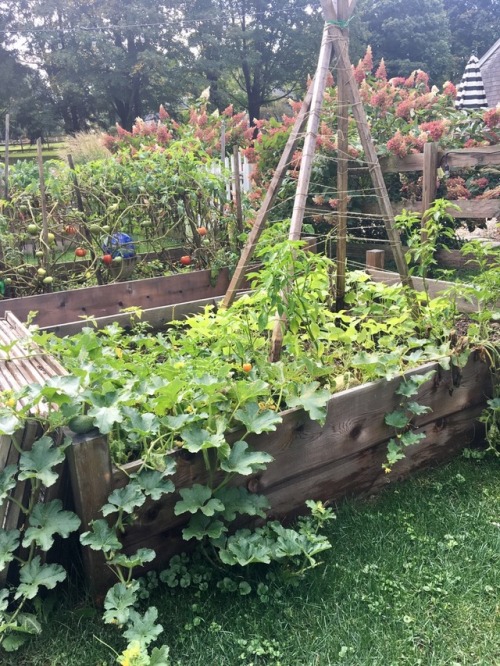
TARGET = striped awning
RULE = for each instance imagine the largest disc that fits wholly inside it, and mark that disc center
(470, 90)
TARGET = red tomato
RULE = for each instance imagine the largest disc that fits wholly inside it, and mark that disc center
(246, 367)
(202, 231)
(70, 229)
(107, 259)
(185, 260)
(80, 251)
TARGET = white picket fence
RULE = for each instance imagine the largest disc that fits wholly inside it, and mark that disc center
(245, 171)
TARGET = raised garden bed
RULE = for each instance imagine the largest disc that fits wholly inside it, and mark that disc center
(65, 312)
(343, 457)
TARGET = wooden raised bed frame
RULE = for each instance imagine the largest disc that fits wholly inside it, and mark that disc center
(342, 458)
(162, 298)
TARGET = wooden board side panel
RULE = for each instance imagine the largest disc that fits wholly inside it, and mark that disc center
(344, 456)
(67, 306)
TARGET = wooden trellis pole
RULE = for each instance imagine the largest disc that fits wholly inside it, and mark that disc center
(262, 215)
(299, 204)
(333, 38)
(341, 51)
(344, 12)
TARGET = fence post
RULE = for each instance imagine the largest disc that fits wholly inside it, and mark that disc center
(375, 259)
(237, 190)
(91, 482)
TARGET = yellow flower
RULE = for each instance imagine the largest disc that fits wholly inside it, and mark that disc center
(128, 657)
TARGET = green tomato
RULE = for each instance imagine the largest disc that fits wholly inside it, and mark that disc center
(48, 280)
(117, 260)
(7, 280)
(39, 253)
(42, 272)
(32, 229)
(50, 237)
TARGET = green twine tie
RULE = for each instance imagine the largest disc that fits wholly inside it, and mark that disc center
(340, 24)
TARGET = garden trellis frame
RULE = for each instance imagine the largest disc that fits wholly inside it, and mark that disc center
(337, 14)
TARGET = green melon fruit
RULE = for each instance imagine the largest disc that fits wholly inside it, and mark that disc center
(81, 424)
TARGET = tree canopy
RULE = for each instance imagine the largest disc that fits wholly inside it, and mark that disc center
(83, 63)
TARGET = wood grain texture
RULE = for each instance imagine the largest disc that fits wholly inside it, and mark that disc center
(90, 470)
(68, 306)
(342, 458)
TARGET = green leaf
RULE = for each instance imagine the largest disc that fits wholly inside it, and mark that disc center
(4, 599)
(410, 438)
(418, 409)
(153, 483)
(198, 498)
(34, 575)
(394, 452)
(142, 628)
(118, 602)
(244, 390)
(101, 537)
(244, 462)
(144, 423)
(124, 499)
(246, 548)
(138, 559)
(201, 526)
(9, 542)
(12, 642)
(47, 520)
(257, 421)
(197, 439)
(40, 461)
(160, 656)
(240, 500)
(311, 398)
(397, 419)
(105, 417)
(9, 424)
(7, 481)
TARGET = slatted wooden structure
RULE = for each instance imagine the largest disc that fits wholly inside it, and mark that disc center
(21, 363)
(342, 458)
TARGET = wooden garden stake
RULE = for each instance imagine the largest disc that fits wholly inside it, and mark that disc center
(262, 215)
(6, 158)
(45, 224)
(299, 204)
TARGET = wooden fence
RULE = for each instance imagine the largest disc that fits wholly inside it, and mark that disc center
(434, 158)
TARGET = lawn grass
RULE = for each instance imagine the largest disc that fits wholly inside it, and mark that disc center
(413, 577)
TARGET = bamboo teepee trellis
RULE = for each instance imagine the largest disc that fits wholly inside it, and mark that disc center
(337, 14)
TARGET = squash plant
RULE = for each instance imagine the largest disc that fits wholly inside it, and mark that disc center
(204, 385)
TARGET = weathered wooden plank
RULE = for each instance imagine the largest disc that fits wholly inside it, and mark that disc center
(454, 159)
(468, 209)
(157, 318)
(327, 462)
(67, 306)
(362, 473)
